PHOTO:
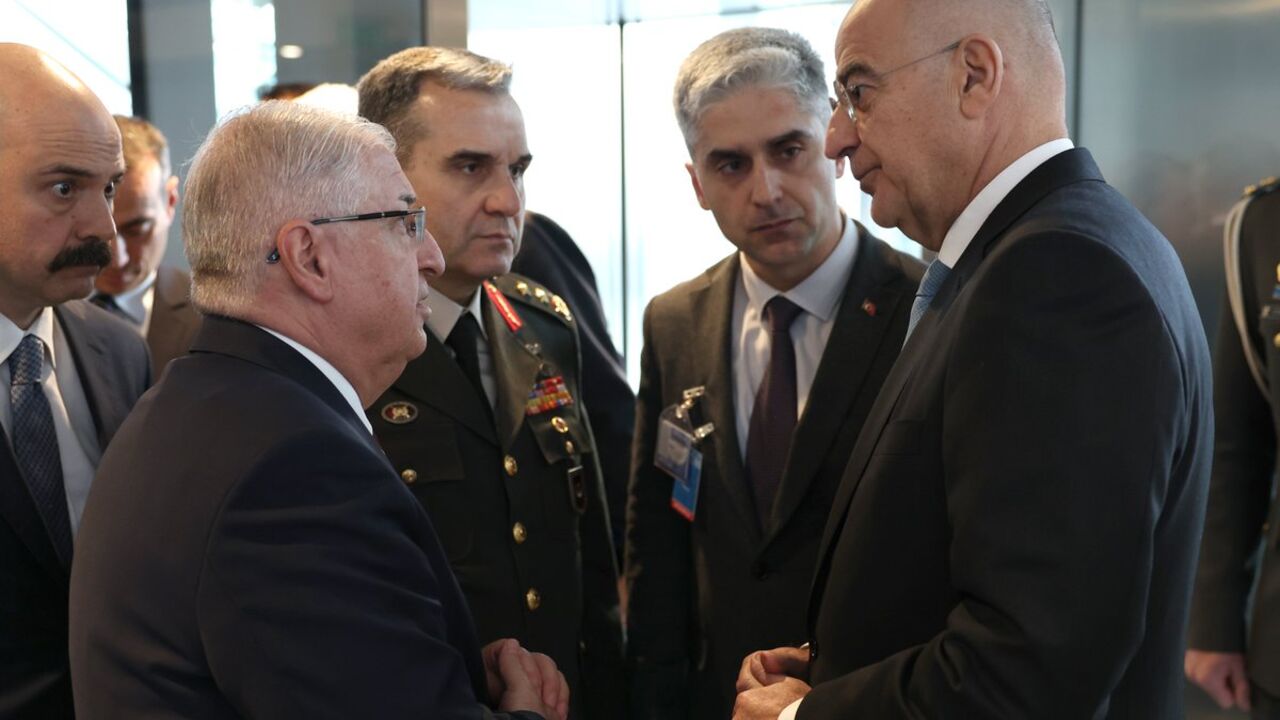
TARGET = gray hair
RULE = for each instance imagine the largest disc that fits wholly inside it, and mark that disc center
(259, 169)
(748, 57)
(389, 90)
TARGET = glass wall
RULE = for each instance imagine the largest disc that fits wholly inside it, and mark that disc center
(91, 37)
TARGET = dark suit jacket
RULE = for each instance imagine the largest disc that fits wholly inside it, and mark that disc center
(34, 679)
(174, 320)
(1244, 467)
(1016, 532)
(549, 256)
(501, 491)
(248, 552)
(704, 595)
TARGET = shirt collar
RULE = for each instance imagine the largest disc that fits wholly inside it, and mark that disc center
(820, 293)
(11, 335)
(445, 314)
(132, 301)
(343, 385)
(980, 208)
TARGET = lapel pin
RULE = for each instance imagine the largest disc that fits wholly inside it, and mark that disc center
(869, 307)
(399, 412)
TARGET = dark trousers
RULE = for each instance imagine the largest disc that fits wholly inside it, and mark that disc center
(1265, 706)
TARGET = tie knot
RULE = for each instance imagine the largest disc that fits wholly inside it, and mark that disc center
(27, 361)
(465, 332)
(780, 313)
(933, 278)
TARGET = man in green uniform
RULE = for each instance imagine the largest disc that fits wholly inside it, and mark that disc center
(486, 427)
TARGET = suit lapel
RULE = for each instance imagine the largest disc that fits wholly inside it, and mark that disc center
(856, 341)
(89, 353)
(515, 371)
(435, 379)
(713, 312)
(19, 511)
(171, 296)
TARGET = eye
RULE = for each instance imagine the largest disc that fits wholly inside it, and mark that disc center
(791, 151)
(63, 189)
(856, 96)
(518, 171)
(110, 190)
(469, 168)
(729, 167)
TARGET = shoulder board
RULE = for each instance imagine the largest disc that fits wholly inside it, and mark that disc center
(528, 292)
(1265, 186)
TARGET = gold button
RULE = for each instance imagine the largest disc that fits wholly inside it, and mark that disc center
(519, 532)
(533, 599)
(560, 425)
(568, 446)
(1276, 340)
(509, 464)
(409, 475)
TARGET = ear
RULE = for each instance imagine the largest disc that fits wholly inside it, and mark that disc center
(697, 186)
(307, 258)
(171, 195)
(983, 66)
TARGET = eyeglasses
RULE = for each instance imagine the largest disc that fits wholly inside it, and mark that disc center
(850, 96)
(415, 224)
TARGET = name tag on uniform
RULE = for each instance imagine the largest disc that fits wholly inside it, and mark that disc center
(675, 455)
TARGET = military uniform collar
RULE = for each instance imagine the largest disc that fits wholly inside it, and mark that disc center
(445, 314)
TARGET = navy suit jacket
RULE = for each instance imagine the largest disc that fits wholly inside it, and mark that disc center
(248, 551)
(111, 361)
(1016, 532)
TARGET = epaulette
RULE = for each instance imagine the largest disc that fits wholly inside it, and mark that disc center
(1265, 186)
(528, 292)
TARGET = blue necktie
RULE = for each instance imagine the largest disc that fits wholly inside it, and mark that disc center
(929, 284)
(35, 442)
(773, 418)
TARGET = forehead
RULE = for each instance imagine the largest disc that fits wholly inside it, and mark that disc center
(74, 134)
(471, 119)
(750, 118)
(387, 182)
(866, 34)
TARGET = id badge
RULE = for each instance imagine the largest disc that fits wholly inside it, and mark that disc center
(676, 453)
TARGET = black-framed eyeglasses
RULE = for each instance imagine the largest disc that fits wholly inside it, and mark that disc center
(415, 224)
(849, 96)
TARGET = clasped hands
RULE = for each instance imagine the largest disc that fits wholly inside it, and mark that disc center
(521, 680)
(769, 681)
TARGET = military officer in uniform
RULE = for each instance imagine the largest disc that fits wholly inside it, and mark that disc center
(487, 427)
(1236, 662)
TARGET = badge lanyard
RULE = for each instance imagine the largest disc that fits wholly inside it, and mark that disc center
(676, 451)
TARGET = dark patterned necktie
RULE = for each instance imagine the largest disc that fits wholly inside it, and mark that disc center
(929, 284)
(35, 442)
(773, 419)
(465, 339)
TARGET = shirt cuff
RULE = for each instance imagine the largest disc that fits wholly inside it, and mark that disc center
(789, 712)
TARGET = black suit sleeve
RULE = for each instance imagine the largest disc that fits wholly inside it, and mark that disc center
(1239, 492)
(317, 599)
(659, 565)
(1064, 402)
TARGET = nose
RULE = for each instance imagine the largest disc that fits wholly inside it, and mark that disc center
(842, 136)
(93, 216)
(119, 252)
(506, 197)
(430, 258)
(765, 187)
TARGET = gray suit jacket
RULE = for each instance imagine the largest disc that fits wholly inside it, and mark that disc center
(174, 320)
(705, 594)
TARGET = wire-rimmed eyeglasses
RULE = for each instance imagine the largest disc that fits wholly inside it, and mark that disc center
(850, 96)
(415, 224)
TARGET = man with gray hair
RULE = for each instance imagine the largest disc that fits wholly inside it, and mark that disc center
(1015, 535)
(250, 552)
(778, 351)
(488, 428)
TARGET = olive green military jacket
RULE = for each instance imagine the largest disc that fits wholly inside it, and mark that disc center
(516, 495)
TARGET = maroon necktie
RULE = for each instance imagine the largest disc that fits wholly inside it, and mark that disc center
(773, 419)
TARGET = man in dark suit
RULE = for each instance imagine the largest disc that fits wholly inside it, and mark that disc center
(1238, 662)
(249, 551)
(154, 298)
(708, 584)
(487, 427)
(1016, 532)
(70, 372)
(549, 256)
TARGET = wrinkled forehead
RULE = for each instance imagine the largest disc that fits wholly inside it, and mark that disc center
(71, 131)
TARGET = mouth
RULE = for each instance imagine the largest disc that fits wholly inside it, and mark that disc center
(773, 225)
(864, 180)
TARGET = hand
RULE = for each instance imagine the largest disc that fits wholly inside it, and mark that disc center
(520, 680)
(768, 702)
(1221, 675)
(768, 667)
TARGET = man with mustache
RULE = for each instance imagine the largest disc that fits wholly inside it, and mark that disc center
(70, 372)
(487, 427)
(789, 340)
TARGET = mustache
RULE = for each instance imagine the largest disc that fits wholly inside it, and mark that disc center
(94, 251)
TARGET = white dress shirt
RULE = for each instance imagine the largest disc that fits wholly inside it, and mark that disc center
(137, 303)
(78, 448)
(340, 382)
(968, 224)
(818, 295)
(444, 315)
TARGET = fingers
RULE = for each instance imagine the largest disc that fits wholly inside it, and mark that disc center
(789, 661)
(1239, 682)
(1222, 676)
(553, 686)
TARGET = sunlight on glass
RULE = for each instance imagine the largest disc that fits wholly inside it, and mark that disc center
(244, 51)
(90, 37)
